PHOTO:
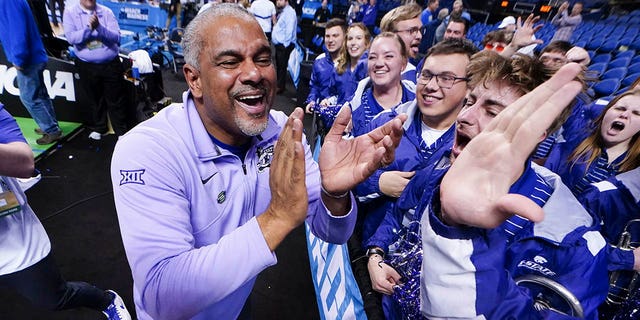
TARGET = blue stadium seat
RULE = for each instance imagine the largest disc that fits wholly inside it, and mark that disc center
(619, 62)
(605, 30)
(622, 19)
(635, 44)
(595, 43)
(598, 68)
(581, 43)
(603, 57)
(615, 73)
(632, 32)
(606, 87)
(619, 30)
(609, 45)
(634, 68)
(628, 53)
(629, 79)
(621, 91)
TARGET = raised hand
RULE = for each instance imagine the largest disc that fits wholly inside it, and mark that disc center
(525, 31)
(578, 55)
(287, 181)
(93, 21)
(564, 6)
(474, 191)
(346, 162)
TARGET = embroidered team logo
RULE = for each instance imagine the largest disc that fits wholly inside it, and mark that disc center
(537, 265)
(132, 176)
(264, 158)
(540, 260)
(222, 196)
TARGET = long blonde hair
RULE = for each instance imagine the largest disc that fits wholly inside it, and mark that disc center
(593, 145)
(344, 58)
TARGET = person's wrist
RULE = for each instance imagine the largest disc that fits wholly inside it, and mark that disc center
(333, 195)
(375, 251)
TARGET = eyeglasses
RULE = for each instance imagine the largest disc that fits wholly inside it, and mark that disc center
(413, 31)
(490, 46)
(445, 81)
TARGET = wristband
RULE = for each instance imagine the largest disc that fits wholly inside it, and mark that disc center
(330, 195)
(372, 251)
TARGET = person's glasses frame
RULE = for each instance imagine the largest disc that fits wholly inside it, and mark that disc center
(412, 31)
(443, 80)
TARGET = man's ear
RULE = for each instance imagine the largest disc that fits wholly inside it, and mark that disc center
(192, 76)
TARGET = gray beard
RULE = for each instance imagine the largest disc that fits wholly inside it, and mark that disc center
(250, 129)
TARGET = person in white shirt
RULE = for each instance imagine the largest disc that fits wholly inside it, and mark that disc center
(265, 13)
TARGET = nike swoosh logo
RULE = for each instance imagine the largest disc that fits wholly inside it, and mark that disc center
(207, 179)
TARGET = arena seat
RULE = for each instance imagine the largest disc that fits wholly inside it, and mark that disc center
(606, 87)
(609, 45)
(629, 79)
(627, 53)
(598, 68)
(634, 68)
(615, 73)
(595, 43)
(619, 62)
(599, 58)
(621, 91)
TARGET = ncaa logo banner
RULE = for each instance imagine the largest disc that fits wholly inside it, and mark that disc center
(62, 82)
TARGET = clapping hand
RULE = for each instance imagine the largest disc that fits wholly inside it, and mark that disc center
(564, 6)
(475, 190)
(346, 162)
(93, 21)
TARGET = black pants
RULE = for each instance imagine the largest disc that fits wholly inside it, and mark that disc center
(103, 84)
(282, 59)
(44, 286)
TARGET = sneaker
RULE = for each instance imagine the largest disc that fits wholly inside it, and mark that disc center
(116, 310)
(95, 135)
(48, 138)
(38, 131)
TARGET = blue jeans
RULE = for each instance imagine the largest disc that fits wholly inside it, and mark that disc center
(35, 98)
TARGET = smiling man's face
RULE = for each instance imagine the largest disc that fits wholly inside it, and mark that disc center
(234, 88)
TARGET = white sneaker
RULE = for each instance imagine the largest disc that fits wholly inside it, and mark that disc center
(95, 135)
(26, 183)
(116, 310)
